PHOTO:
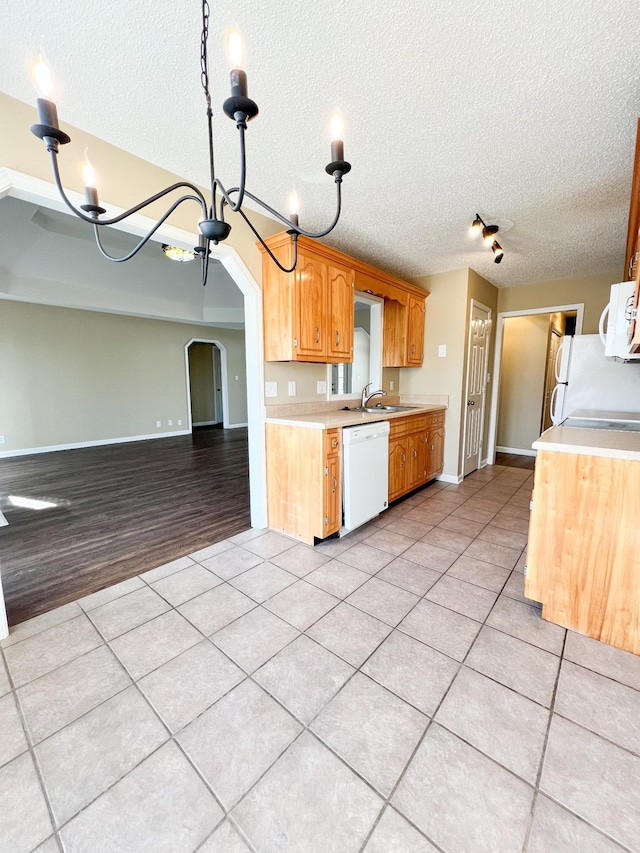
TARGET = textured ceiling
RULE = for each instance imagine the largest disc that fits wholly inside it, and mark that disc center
(523, 112)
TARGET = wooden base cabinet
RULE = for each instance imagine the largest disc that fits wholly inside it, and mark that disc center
(416, 452)
(435, 447)
(304, 481)
(582, 556)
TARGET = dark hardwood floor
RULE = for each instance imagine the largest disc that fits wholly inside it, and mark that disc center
(515, 460)
(119, 510)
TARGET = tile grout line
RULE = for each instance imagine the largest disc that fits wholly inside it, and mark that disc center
(32, 753)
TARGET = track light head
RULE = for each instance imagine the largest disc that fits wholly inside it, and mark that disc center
(476, 226)
(498, 252)
(488, 233)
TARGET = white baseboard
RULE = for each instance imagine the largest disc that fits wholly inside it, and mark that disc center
(205, 423)
(52, 448)
(236, 426)
(518, 451)
(449, 478)
(3, 520)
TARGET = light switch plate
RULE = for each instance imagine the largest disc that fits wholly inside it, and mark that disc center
(392, 385)
(292, 389)
(321, 387)
(442, 350)
(270, 389)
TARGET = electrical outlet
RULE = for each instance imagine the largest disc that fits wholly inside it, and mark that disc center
(392, 385)
(236, 377)
(158, 423)
(170, 423)
(292, 389)
(1, 439)
(321, 387)
(442, 350)
(179, 423)
(270, 389)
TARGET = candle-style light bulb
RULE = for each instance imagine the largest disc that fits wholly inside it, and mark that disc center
(294, 208)
(337, 145)
(47, 112)
(41, 76)
(235, 49)
(337, 128)
(88, 172)
(89, 181)
(237, 75)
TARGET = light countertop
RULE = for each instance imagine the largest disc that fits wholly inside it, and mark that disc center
(611, 443)
(340, 418)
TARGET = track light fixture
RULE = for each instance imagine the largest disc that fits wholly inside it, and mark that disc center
(213, 228)
(479, 226)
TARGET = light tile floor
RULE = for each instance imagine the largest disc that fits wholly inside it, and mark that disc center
(389, 692)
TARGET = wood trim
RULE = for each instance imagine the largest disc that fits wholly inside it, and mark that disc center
(634, 208)
(381, 283)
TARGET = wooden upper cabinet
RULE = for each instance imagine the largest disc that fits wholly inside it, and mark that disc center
(308, 314)
(632, 256)
(340, 287)
(415, 330)
(309, 319)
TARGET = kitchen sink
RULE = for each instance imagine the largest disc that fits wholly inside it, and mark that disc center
(376, 409)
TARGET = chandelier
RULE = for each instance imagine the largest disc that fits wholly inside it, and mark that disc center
(213, 227)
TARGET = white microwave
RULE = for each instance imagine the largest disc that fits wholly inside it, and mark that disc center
(615, 321)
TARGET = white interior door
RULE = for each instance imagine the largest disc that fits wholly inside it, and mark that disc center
(479, 335)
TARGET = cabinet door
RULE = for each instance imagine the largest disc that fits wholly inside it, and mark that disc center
(435, 452)
(332, 496)
(340, 314)
(415, 330)
(416, 460)
(310, 309)
(397, 467)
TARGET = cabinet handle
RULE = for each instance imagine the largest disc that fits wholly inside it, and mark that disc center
(415, 454)
(404, 458)
(337, 338)
(317, 335)
(335, 442)
(335, 485)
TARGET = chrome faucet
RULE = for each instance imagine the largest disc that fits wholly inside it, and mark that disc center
(367, 399)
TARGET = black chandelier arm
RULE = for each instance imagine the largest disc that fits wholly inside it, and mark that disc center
(198, 196)
(147, 236)
(294, 237)
(284, 220)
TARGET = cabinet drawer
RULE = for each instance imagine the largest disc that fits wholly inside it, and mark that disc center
(332, 441)
(404, 426)
(435, 419)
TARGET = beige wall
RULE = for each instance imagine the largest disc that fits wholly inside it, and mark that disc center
(522, 375)
(70, 376)
(203, 407)
(592, 290)
(445, 323)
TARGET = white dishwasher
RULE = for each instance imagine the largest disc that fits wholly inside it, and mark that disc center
(365, 477)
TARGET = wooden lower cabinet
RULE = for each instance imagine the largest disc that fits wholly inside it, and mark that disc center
(304, 481)
(582, 555)
(416, 452)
